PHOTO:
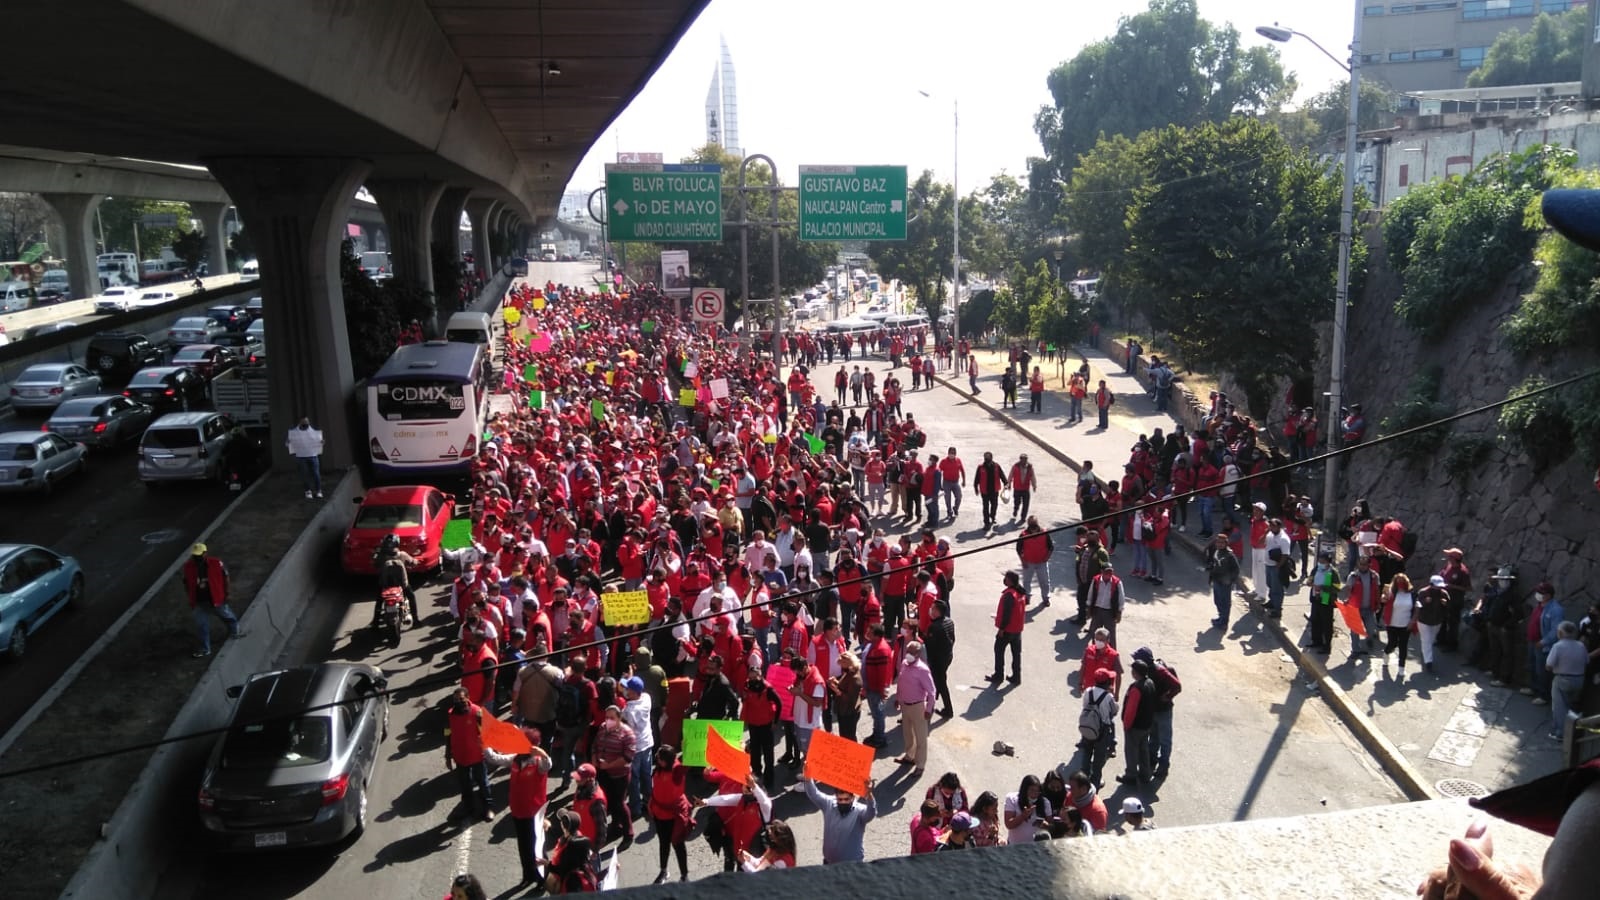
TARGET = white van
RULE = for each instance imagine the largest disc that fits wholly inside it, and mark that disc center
(15, 295)
(1085, 288)
(468, 328)
(249, 270)
(914, 320)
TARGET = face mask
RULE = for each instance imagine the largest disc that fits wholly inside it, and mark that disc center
(1099, 645)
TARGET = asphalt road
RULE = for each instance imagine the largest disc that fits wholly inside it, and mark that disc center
(1251, 740)
(122, 535)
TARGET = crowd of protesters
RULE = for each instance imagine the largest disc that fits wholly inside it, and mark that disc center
(640, 454)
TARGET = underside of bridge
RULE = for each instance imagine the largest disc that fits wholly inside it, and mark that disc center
(482, 105)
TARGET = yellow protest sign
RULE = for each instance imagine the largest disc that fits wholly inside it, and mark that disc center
(538, 302)
(512, 316)
(625, 608)
(611, 377)
(686, 397)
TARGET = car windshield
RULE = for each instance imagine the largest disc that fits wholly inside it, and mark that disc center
(303, 741)
(18, 451)
(172, 438)
(149, 378)
(81, 407)
(189, 354)
(196, 323)
(389, 516)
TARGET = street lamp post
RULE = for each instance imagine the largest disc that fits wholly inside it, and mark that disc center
(1341, 296)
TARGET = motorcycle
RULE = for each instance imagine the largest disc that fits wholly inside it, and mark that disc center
(394, 613)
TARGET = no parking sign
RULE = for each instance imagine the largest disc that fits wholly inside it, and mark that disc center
(708, 305)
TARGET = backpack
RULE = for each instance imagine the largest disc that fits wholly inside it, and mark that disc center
(569, 705)
(1090, 724)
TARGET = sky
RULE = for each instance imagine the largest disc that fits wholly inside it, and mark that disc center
(837, 82)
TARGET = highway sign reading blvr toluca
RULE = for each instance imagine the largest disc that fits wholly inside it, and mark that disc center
(852, 203)
(664, 203)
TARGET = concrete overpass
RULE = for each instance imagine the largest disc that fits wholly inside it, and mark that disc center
(434, 105)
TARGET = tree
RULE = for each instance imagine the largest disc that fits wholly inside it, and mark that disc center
(1011, 313)
(1097, 204)
(1164, 66)
(922, 259)
(23, 218)
(243, 248)
(1055, 316)
(190, 246)
(1550, 50)
(119, 215)
(1321, 119)
(1234, 240)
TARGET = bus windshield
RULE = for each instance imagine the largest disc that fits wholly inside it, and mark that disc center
(413, 400)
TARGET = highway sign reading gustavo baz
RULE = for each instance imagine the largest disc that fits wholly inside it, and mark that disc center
(657, 202)
(864, 203)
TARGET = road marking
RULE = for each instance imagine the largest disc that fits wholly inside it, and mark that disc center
(464, 849)
(163, 536)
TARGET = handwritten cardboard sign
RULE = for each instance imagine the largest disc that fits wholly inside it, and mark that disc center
(726, 757)
(842, 764)
(719, 388)
(686, 397)
(625, 608)
(694, 737)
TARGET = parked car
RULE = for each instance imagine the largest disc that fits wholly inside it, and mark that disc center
(232, 318)
(167, 388)
(47, 328)
(249, 270)
(45, 385)
(100, 422)
(258, 357)
(116, 355)
(210, 360)
(35, 461)
(417, 514)
(376, 265)
(294, 766)
(193, 330)
(255, 308)
(154, 298)
(186, 446)
(118, 298)
(257, 329)
(35, 584)
(242, 343)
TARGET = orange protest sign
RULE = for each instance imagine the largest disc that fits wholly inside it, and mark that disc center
(842, 764)
(726, 758)
(1352, 619)
(504, 737)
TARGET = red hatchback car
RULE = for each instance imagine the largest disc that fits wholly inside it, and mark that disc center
(416, 513)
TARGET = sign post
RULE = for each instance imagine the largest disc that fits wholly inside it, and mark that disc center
(709, 305)
(663, 203)
(852, 203)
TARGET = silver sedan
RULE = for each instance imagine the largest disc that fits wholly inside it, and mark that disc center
(36, 461)
(47, 385)
(101, 422)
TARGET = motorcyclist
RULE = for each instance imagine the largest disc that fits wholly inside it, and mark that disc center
(394, 565)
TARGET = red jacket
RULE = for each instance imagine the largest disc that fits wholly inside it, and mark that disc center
(877, 668)
(1034, 548)
(216, 580)
(466, 742)
(1013, 608)
(529, 788)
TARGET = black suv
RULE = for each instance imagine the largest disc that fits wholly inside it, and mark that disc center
(116, 355)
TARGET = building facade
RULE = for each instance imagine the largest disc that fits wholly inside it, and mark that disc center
(722, 104)
(1430, 45)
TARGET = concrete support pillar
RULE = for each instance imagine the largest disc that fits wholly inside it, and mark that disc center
(446, 248)
(211, 219)
(295, 210)
(479, 211)
(76, 212)
(407, 205)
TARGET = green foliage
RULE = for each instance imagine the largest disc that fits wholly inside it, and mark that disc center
(977, 314)
(1420, 406)
(447, 271)
(1583, 411)
(1551, 49)
(117, 216)
(1466, 455)
(923, 259)
(1468, 235)
(1010, 311)
(1538, 426)
(190, 246)
(1321, 119)
(1098, 201)
(1563, 309)
(1164, 66)
(23, 219)
(1054, 315)
(372, 324)
(242, 247)
(1232, 247)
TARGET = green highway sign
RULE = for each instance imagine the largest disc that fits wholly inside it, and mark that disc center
(664, 203)
(852, 203)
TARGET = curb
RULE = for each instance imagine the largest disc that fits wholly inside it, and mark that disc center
(1388, 756)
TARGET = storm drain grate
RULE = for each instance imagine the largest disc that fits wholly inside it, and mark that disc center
(1460, 787)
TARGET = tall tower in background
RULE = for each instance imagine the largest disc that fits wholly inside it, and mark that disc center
(722, 104)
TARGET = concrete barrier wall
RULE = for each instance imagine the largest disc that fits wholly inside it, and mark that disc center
(136, 845)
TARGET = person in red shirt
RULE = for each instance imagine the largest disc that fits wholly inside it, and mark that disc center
(954, 478)
(671, 809)
(463, 753)
(1208, 479)
(1008, 621)
(877, 669)
(897, 587)
(759, 709)
(478, 663)
(528, 790)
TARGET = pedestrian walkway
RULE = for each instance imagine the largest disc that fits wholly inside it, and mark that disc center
(1449, 726)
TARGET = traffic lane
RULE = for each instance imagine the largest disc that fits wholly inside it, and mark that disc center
(1240, 685)
(121, 535)
(82, 311)
(410, 848)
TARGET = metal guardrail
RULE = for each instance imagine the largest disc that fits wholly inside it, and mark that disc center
(1580, 740)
